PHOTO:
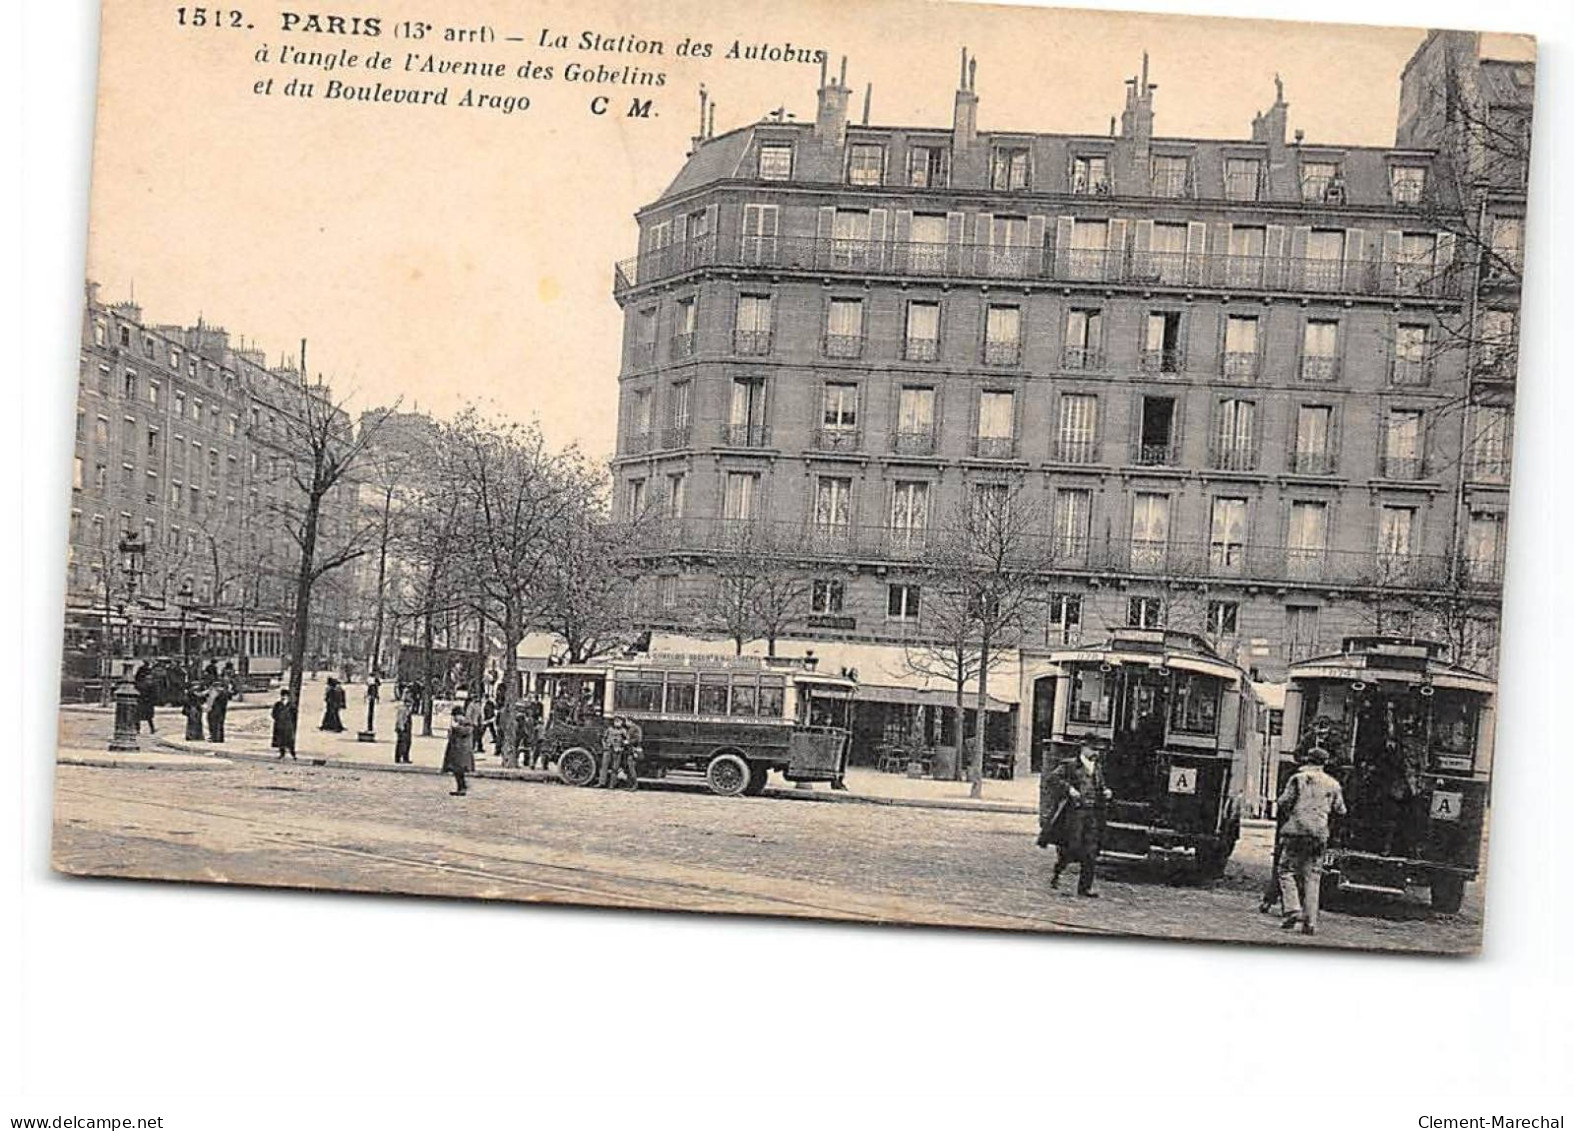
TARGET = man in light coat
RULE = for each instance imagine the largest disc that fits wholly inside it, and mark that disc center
(1311, 798)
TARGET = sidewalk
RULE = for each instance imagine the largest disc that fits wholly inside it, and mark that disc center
(150, 757)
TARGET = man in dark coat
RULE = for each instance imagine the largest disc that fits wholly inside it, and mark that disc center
(1071, 815)
(284, 725)
(459, 754)
(404, 725)
(147, 697)
(333, 703)
(218, 707)
(193, 712)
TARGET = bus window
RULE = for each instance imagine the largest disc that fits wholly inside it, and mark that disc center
(1090, 695)
(1196, 706)
(637, 691)
(1453, 730)
(743, 695)
(713, 694)
(680, 693)
(773, 693)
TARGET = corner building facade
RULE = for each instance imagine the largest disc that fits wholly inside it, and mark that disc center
(1222, 366)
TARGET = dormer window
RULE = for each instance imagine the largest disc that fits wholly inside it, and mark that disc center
(1169, 176)
(928, 166)
(1090, 176)
(1242, 178)
(776, 161)
(1008, 169)
(1321, 181)
(1407, 184)
(866, 164)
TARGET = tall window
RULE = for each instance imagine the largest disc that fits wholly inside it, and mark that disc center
(677, 500)
(996, 437)
(1076, 432)
(1089, 250)
(740, 499)
(909, 510)
(753, 335)
(1507, 246)
(1084, 340)
(1167, 254)
(760, 223)
(833, 504)
(1003, 335)
(1416, 268)
(1499, 341)
(775, 162)
(640, 419)
(1242, 176)
(850, 234)
(1489, 443)
(1150, 530)
(923, 331)
(1313, 451)
(1145, 612)
(1090, 175)
(678, 414)
(844, 327)
(636, 498)
(746, 416)
(1156, 439)
(685, 322)
(1402, 444)
(1169, 176)
(915, 420)
(1240, 346)
(1395, 531)
(1008, 169)
(1323, 269)
(1235, 436)
(1484, 546)
(1009, 253)
(928, 242)
(928, 166)
(1161, 343)
(901, 602)
(1410, 354)
(865, 164)
(1063, 620)
(1300, 632)
(1320, 350)
(1073, 515)
(1227, 542)
(1316, 177)
(1407, 184)
(827, 596)
(1247, 260)
(839, 417)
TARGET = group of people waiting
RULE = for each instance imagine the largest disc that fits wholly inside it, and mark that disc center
(1073, 802)
(204, 696)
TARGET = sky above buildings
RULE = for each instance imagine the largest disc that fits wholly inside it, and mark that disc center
(444, 255)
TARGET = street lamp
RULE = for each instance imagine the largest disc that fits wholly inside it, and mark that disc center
(127, 708)
(183, 599)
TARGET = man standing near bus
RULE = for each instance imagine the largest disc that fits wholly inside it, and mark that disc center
(1310, 799)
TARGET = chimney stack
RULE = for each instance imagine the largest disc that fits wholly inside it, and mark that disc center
(830, 120)
(1269, 126)
(964, 122)
(1136, 121)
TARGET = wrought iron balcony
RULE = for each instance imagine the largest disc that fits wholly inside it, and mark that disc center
(1232, 457)
(1146, 454)
(844, 345)
(838, 440)
(675, 437)
(1312, 463)
(747, 436)
(1002, 353)
(1319, 368)
(1240, 365)
(1489, 469)
(751, 343)
(1076, 451)
(1409, 371)
(995, 447)
(1165, 362)
(1402, 467)
(1169, 185)
(1081, 358)
(921, 349)
(920, 442)
(637, 443)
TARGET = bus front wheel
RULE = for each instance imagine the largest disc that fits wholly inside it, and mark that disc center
(727, 775)
(576, 766)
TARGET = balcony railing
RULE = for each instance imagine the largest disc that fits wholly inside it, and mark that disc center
(838, 440)
(1081, 358)
(1232, 457)
(1240, 366)
(1497, 365)
(1161, 361)
(844, 345)
(676, 436)
(1002, 353)
(1076, 451)
(747, 436)
(638, 443)
(1489, 469)
(913, 443)
(1047, 552)
(1409, 371)
(1154, 454)
(1311, 463)
(1400, 467)
(751, 343)
(894, 258)
(995, 447)
(921, 349)
(1319, 368)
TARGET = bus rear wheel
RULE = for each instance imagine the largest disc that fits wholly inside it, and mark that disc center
(1448, 891)
(727, 775)
(576, 766)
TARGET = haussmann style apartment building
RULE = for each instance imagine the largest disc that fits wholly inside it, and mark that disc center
(1232, 371)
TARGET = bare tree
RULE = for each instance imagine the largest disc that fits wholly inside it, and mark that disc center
(948, 649)
(590, 573)
(759, 592)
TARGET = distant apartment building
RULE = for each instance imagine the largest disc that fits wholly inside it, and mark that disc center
(1224, 368)
(180, 449)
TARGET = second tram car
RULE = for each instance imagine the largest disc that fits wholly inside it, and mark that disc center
(1409, 736)
(733, 720)
(1178, 722)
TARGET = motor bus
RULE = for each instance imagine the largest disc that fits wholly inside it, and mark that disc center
(732, 719)
(1178, 724)
(168, 642)
(1409, 736)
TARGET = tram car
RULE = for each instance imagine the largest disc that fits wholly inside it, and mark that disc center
(731, 719)
(1409, 736)
(1179, 725)
(169, 645)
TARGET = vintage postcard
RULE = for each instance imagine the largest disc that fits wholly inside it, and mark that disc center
(882, 461)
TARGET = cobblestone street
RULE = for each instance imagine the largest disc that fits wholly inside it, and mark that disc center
(677, 846)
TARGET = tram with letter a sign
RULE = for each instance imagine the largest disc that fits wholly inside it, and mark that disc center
(1179, 727)
(1409, 736)
(731, 719)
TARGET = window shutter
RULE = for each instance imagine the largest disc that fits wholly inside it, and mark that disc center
(1300, 235)
(1116, 256)
(1443, 260)
(954, 228)
(979, 259)
(1063, 227)
(877, 255)
(680, 229)
(901, 228)
(1393, 248)
(1273, 255)
(1355, 259)
(827, 223)
(1035, 241)
(1219, 251)
(1142, 237)
(1334, 414)
(1196, 235)
(984, 229)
